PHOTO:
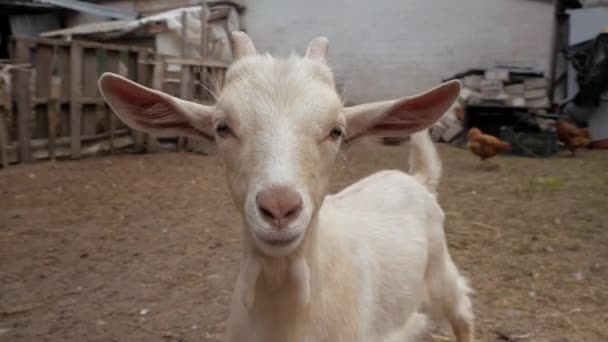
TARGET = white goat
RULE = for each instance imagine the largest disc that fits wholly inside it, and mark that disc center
(354, 266)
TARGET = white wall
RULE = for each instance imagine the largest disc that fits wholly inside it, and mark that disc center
(390, 48)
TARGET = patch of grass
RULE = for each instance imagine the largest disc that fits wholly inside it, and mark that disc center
(552, 183)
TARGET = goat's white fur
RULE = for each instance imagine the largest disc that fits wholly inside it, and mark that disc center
(388, 230)
(358, 263)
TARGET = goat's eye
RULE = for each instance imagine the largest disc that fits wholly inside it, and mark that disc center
(336, 133)
(222, 129)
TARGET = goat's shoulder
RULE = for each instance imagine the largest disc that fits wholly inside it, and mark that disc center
(384, 190)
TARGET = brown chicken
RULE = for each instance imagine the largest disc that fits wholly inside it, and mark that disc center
(572, 136)
(485, 146)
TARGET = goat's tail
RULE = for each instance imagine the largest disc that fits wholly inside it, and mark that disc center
(425, 164)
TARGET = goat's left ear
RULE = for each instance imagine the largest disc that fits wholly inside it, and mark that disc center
(401, 117)
(155, 112)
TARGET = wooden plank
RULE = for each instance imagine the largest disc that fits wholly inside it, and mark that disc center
(205, 14)
(63, 109)
(43, 64)
(90, 66)
(114, 47)
(37, 40)
(53, 113)
(3, 140)
(184, 37)
(91, 120)
(123, 70)
(185, 70)
(142, 78)
(203, 83)
(186, 83)
(158, 76)
(100, 107)
(75, 93)
(23, 96)
(185, 94)
(66, 100)
(90, 148)
(54, 107)
(81, 43)
(64, 141)
(194, 61)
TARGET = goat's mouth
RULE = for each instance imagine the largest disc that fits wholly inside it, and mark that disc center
(280, 242)
(278, 246)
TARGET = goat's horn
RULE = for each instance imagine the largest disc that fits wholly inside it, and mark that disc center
(241, 45)
(317, 49)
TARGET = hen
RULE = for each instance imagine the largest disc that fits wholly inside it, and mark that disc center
(485, 146)
(572, 136)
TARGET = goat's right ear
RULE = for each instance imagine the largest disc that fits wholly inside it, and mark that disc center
(403, 116)
(155, 112)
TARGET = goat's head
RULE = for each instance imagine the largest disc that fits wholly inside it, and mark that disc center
(278, 125)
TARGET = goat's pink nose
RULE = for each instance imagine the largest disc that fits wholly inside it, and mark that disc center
(279, 205)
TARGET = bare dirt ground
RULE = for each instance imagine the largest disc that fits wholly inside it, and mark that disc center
(146, 248)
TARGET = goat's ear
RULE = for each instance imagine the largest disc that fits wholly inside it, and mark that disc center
(401, 117)
(317, 49)
(242, 46)
(153, 111)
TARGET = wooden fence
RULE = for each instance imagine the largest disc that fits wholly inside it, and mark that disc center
(54, 109)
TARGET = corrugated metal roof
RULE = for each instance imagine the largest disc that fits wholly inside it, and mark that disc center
(120, 26)
(98, 10)
(99, 27)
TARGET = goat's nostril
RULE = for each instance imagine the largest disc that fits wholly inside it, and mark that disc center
(293, 212)
(266, 213)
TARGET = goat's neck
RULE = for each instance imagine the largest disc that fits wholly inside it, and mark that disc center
(293, 274)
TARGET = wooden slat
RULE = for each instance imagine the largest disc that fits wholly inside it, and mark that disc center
(53, 113)
(53, 108)
(123, 70)
(81, 43)
(205, 14)
(100, 107)
(65, 100)
(194, 61)
(142, 78)
(185, 70)
(203, 83)
(185, 94)
(158, 76)
(43, 64)
(63, 141)
(24, 105)
(75, 93)
(184, 38)
(3, 140)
